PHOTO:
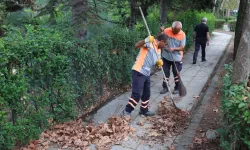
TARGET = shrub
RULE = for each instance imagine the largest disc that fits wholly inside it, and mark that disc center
(219, 23)
(171, 17)
(34, 74)
(191, 18)
(153, 21)
(236, 122)
(46, 75)
(230, 18)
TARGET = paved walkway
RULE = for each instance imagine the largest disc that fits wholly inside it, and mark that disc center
(194, 78)
(226, 27)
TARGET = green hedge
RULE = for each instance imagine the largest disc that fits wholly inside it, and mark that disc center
(190, 19)
(219, 23)
(235, 133)
(45, 75)
(230, 18)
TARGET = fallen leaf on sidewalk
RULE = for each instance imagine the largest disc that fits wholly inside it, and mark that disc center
(166, 98)
(168, 122)
(196, 96)
(215, 110)
(60, 139)
(32, 146)
(65, 146)
(76, 134)
(197, 140)
(172, 147)
(153, 133)
(125, 139)
(140, 123)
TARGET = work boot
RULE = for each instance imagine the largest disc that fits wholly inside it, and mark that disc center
(148, 113)
(176, 91)
(125, 113)
(176, 88)
(164, 90)
(203, 60)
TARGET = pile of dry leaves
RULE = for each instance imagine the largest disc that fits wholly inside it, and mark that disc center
(170, 121)
(77, 135)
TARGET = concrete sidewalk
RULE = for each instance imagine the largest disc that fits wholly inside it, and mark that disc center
(194, 78)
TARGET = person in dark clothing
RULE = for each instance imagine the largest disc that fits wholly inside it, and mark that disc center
(201, 39)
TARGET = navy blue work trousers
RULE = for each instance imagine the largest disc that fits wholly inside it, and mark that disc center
(166, 68)
(140, 90)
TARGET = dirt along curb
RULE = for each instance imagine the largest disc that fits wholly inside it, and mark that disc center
(197, 111)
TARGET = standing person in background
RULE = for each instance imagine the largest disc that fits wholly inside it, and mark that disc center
(175, 47)
(201, 38)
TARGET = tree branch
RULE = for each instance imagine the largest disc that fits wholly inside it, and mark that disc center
(104, 19)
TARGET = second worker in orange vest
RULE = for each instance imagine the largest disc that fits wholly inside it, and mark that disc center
(175, 47)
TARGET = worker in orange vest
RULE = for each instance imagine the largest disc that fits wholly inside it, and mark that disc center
(148, 57)
(173, 53)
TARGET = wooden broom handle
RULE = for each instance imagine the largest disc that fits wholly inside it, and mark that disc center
(145, 22)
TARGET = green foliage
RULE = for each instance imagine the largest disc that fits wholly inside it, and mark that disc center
(235, 133)
(47, 75)
(119, 12)
(190, 19)
(34, 73)
(153, 21)
(183, 5)
(230, 18)
(20, 17)
(2, 11)
(154, 18)
(219, 23)
(171, 16)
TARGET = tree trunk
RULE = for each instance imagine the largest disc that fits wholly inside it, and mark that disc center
(240, 27)
(52, 11)
(79, 18)
(241, 67)
(132, 14)
(218, 8)
(228, 12)
(215, 1)
(163, 11)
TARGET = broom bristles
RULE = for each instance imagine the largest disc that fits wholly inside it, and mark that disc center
(182, 88)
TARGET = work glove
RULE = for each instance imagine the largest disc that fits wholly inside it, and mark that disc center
(159, 63)
(149, 39)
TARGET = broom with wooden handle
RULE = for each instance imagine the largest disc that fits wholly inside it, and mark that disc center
(164, 76)
(182, 89)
